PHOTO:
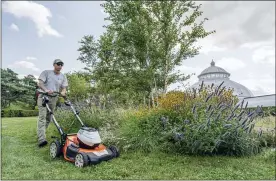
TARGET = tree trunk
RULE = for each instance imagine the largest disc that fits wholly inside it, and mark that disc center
(152, 98)
(156, 92)
(104, 99)
(145, 104)
(166, 77)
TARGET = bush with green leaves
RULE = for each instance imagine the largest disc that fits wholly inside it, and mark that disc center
(18, 113)
(207, 122)
(268, 111)
(268, 138)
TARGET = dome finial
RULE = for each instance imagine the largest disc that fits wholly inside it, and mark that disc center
(212, 63)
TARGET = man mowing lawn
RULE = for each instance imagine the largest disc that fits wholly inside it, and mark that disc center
(49, 81)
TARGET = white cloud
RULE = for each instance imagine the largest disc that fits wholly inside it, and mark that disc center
(207, 45)
(190, 70)
(31, 58)
(259, 44)
(25, 65)
(230, 64)
(251, 22)
(37, 13)
(264, 55)
(260, 86)
(14, 27)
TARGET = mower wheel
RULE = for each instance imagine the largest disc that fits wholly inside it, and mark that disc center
(115, 151)
(81, 160)
(55, 149)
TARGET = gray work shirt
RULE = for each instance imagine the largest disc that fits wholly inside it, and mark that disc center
(53, 81)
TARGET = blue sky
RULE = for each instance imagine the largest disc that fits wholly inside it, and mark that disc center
(35, 33)
(18, 45)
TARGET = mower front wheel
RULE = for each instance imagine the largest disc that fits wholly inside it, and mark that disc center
(115, 151)
(81, 160)
(55, 149)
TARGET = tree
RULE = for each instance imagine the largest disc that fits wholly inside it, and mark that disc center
(29, 83)
(30, 80)
(156, 36)
(176, 42)
(15, 90)
(78, 87)
(11, 89)
(146, 41)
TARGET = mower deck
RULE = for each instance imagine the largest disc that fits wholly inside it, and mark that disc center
(91, 156)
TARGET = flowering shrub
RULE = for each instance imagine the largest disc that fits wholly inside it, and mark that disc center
(173, 99)
(203, 121)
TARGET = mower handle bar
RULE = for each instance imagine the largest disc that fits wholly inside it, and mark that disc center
(51, 95)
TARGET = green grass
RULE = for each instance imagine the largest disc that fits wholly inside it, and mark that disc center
(22, 159)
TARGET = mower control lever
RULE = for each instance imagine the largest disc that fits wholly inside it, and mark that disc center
(54, 94)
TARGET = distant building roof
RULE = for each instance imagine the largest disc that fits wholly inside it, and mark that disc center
(213, 69)
(216, 75)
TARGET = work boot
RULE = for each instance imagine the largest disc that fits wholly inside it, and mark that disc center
(43, 143)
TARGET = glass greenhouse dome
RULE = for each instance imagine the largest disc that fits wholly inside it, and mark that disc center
(217, 75)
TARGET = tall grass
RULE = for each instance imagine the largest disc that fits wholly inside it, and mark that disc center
(205, 121)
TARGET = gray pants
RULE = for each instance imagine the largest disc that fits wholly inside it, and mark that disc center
(44, 117)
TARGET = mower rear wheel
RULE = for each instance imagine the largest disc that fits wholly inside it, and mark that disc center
(81, 160)
(115, 151)
(55, 149)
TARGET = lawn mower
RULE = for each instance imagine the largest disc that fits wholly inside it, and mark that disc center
(82, 148)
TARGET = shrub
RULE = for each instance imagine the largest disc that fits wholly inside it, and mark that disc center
(204, 121)
(90, 116)
(172, 99)
(139, 132)
(268, 111)
(29, 113)
(18, 113)
(268, 138)
(269, 155)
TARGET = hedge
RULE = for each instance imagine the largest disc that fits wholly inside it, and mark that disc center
(18, 113)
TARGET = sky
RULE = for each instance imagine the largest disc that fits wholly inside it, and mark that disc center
(36, 33)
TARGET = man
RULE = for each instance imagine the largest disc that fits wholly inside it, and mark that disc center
(49, 81)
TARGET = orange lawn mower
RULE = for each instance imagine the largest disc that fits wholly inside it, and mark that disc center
(82, 148)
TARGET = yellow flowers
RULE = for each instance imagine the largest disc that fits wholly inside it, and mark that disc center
(175, 99)
(171, 99)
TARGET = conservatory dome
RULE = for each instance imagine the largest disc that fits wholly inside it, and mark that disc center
(216, 75)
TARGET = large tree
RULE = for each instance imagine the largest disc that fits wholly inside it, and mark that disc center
(14, 89)
(144, 41)
(178, 31)
(29, 83)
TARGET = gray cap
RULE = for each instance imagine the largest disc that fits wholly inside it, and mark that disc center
(58, 61)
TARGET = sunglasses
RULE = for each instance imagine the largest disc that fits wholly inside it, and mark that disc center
(60, 64)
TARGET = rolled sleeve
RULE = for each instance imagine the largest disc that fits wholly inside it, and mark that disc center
(43, 76)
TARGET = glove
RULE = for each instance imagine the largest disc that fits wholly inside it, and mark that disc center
(63, 94)
(49, 91)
